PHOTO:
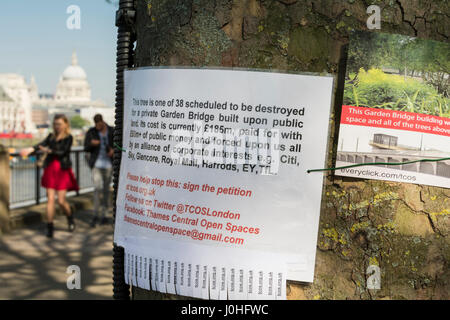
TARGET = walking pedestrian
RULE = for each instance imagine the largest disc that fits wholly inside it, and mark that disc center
(58, 177)
(99, 144)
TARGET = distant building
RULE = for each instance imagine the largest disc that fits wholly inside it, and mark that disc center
(390, 70)
(73, 86)
(8, 112)
(15, 114)
(385, 140)
(24, 109)
(40, 117)
(72, 97)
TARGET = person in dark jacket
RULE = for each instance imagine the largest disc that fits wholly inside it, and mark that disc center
(99, 143)
(58, 177)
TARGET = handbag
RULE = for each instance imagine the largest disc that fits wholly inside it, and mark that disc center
(40, 162)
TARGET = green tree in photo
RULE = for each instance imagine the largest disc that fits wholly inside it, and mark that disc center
(376, 89)
(78, 122)
(399, 73)
(366, 51)
(436, 66)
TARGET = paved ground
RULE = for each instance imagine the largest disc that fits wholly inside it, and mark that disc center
(34, 267)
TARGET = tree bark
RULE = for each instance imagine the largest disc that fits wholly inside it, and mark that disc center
(403, 228)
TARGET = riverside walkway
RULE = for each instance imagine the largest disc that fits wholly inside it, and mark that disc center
(34, 267)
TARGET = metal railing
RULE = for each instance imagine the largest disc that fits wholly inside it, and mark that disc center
(25, 179)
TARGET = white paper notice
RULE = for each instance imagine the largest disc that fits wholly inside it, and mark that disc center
(214, 176)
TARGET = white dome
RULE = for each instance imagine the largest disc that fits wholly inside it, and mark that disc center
(74, 72)
(73, 84)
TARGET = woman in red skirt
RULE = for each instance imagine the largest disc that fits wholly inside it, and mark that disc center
(58, 177)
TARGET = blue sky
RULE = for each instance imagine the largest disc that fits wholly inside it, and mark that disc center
(35, 41)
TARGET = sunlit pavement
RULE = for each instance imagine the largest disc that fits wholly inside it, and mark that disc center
(34, 267)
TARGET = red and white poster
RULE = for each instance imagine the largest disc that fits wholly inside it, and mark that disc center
(396, 110)
(214, 197)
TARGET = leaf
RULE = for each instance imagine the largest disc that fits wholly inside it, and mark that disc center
(355, 95)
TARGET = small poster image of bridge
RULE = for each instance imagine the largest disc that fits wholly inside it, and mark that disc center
(396, 110)
(388, 153)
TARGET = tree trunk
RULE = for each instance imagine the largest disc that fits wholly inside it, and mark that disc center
(403, 228)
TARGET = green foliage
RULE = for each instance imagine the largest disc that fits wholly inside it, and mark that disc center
(78, 122)
(377, 89)
(411, 56)
(367, 50)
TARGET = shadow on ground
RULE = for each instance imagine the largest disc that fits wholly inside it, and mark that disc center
(34, 267)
